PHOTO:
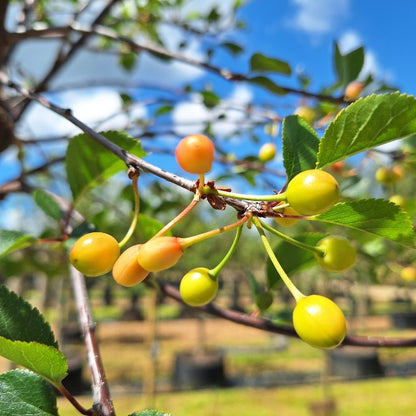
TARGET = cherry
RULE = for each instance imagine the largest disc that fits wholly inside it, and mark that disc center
(353, 90)
(307, 113)
(198, 287)
(126, 270)
(389, 175)
(94, 253)
(312, 192)
(160, 253)
(267, 152)
(408, 273)
(398, 200)
(287, 221)
(195, 154)
(337, 167)
(338, 254)
(319, 321)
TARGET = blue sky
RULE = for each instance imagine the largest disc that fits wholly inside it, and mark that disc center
(301, 32)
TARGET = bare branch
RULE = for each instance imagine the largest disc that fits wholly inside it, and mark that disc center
(63, 58)
(267, 325)
(161, 51)
(102, 400)
(128, 158)
(4, 6)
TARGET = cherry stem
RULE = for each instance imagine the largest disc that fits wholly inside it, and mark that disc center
(217, 269)
(180, 216)
(81, 409)
(201, 182)
(296, 293)
(134, 178)
(189, 241)
(319, 251)
(247, 197)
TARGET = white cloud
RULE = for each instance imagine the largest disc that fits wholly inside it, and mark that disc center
(349, 41)
(91, 106)
(190, 117)
(318, 16)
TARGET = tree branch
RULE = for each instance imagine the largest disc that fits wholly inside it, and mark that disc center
(257, 208)
(4, 6)
(269, 326)
(161, 51)
(101, 393)
(63, 58)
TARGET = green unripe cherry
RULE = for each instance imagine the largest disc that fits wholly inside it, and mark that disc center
(312, 192)
(319, 322)
(338, 254)
(197, 287)
(267, 152)
(287, 221)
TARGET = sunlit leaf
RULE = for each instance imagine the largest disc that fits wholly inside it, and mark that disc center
(13, 240)
(263, 63)
(44, 360)
(375, 216)
(367, 123)
(88, 163)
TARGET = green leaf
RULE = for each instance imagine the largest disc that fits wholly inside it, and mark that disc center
(291, 258)
(210, 99)
(25, 393)
(42, 359)
(268, 84)
(88, 163)
(149, 412)
(164, 109)
(148, 227)
(368, 122)
(348, 66)
(300, 145)
(253, 284)
(232, 47)
(47, 203)
(19, 321)
(128, 61)
(13, 240)
(375, 216)
(263, 63)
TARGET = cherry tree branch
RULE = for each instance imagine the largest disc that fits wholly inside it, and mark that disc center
(138, 47)
(63, 57)
(101, 393)
(269, 326)
(128, 158)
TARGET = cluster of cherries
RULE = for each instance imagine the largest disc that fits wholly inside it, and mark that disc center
(317, 319)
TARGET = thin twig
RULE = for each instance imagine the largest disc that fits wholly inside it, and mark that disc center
(138, 47)
(101, 393)
(269, 326)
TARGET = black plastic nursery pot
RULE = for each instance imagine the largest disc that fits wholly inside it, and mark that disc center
(194, 370)
(403, 320)
(354, 363)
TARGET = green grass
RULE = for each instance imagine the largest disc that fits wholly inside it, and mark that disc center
(377, 397)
